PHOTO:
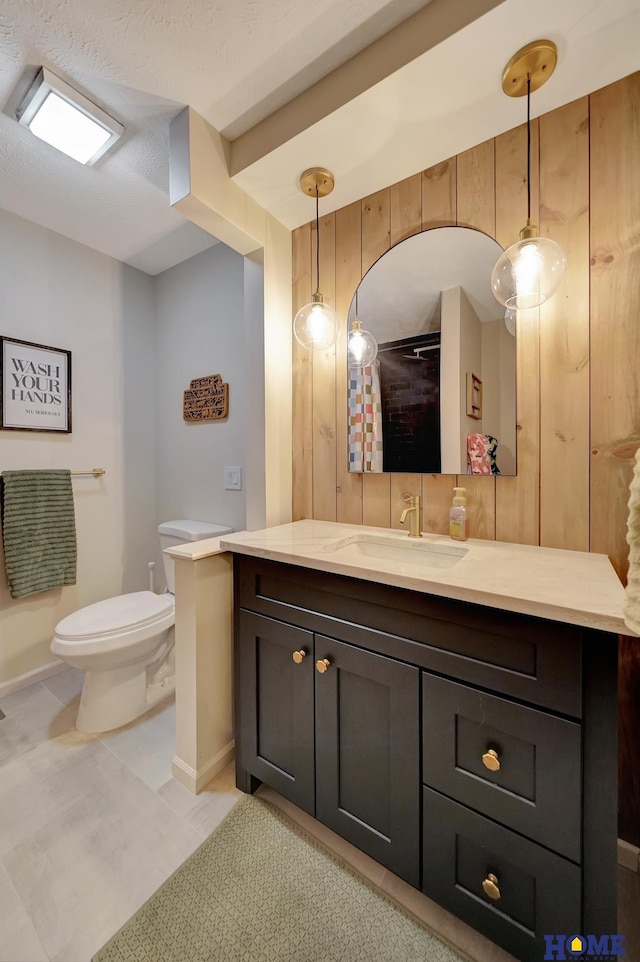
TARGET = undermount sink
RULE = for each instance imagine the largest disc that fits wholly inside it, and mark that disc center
(360, 547)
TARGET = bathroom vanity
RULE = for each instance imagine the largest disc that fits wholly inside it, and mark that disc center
(449, 709)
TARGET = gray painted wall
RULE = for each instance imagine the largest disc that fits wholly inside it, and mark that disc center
(139, 428)
(200, 327)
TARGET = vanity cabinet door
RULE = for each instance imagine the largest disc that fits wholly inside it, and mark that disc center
(367, 753)
(276, 706)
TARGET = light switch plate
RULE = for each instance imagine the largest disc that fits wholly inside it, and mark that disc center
(233, 478)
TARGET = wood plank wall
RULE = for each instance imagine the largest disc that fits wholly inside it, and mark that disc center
(578, 380)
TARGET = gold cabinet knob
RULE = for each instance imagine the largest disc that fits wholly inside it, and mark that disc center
(322, 664)
(491, 761)
(490, 886)
(299, 656)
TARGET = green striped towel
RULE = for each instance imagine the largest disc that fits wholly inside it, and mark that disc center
(38, 530)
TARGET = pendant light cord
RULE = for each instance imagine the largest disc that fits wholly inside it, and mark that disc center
(528, 147)
(317, 246)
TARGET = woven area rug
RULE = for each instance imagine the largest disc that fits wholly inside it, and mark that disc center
(260, 889)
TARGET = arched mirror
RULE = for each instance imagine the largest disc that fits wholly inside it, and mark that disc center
(441, 396)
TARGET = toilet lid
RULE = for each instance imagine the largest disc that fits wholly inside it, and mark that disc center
(115, 614)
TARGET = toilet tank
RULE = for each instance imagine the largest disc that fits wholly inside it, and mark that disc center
(181, 532)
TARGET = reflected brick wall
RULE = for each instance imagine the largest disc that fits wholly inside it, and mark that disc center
(410, 390)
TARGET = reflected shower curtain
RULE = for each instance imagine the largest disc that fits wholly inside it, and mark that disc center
(365, 419)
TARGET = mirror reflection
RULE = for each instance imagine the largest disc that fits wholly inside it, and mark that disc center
(440, 398)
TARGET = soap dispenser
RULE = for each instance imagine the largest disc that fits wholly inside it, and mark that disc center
(458, 515)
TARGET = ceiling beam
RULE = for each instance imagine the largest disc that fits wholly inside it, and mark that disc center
(427, 28)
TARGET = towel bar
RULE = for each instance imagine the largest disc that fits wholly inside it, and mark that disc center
(95, 472)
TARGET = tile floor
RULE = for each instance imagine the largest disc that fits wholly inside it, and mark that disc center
(90, 827)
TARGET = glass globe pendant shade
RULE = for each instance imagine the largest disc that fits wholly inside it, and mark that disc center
(316, 325)
(510, 319)
(528, 273)
(362, 348)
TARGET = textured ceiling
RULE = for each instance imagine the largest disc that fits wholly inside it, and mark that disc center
(234, 61)
(237, 62)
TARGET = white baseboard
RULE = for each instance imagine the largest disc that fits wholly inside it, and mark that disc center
(628, 855)
(32, 677)
(194, 780)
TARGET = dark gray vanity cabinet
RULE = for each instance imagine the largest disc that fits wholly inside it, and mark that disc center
(470, 750)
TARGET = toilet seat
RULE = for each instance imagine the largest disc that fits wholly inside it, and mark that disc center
(113, 615)
(116, 622)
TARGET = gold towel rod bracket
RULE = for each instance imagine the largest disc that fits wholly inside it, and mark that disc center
(94, 472)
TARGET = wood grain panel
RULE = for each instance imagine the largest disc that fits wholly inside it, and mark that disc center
(476, 200)
(518, 499)
(437, 497)
(376, 227)
(439, 209)
(564, 331)
(324, 387)
(439, 195)
(376, 239)
(476, 188)
(376, 500)
(481, 506)
(302, 440)
(348, 274)
(615, 309)
(406, 209)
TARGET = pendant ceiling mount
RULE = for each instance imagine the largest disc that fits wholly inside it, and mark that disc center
(317, 179)
(535, 62)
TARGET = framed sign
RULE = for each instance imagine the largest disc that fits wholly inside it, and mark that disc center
(35, 387)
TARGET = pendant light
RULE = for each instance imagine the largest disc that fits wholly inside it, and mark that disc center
(316, 324)
(362, 347)
(530, 271)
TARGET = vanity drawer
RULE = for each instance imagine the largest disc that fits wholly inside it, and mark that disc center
(539, 892)
(537, 787)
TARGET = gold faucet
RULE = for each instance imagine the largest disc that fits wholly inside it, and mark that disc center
(413, 509)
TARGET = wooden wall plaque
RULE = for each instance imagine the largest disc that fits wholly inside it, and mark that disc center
(474, 396)
(207, 399)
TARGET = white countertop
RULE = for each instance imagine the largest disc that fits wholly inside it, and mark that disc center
(195, 550)
(576, 587)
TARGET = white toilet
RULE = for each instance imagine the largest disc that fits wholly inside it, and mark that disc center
(125, 644)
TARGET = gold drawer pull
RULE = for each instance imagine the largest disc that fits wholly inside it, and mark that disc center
(299, 656)
(322, 665)
(490, 886)
(491, 761)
